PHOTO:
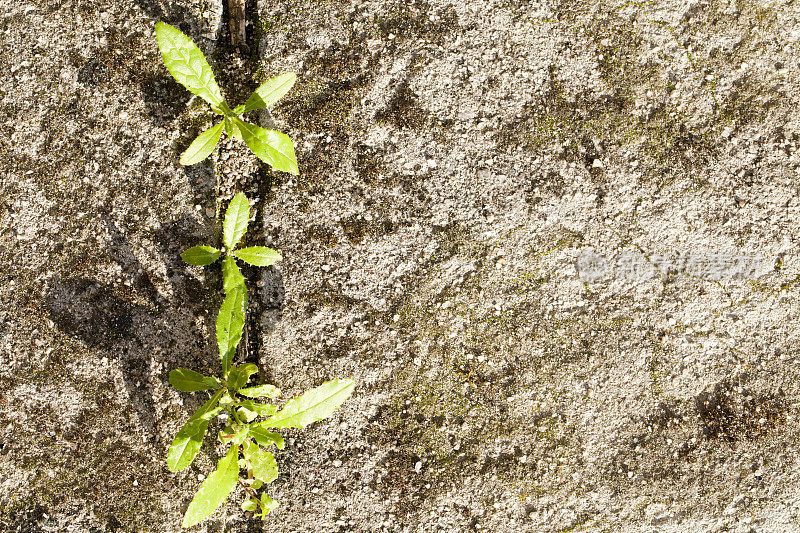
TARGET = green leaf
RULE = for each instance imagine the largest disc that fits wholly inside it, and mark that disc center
(201, 255)
(236, 218)
(267, 504)
(186, 380)
(262, 462)
(271, 391)
(229, 435)
(247, 414)
(230, 325)
(250, 505)
(265, 467)
(238, 376)
(272, 147)
(249, 369)
(226, 400)
(186, 63)
(312, 406)
(231, 129)
(260, 408)
(227, 111)
(266, 438)
(202, 146)
(240, 435)
(232, 277)
(214, 490)
(259, 256)
(270, 92)
(189, 439)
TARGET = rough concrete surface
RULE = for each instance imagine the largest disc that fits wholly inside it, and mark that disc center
(554, 242)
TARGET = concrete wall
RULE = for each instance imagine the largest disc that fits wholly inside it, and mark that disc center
(555, 243)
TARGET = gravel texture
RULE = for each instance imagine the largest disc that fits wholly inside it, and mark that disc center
(554, 242)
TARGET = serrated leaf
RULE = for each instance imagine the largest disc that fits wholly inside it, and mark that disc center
(266, 438)
(272, 147)
(236, 218)
(262, 462)
(238, 376)
(230, 325)
(270, 391)
(259, 256)
(214, 490)
(201, 255)
(190, 437)
(312, 406)
(202, 146)
(186, 380)
(186, 63)
(232, 277)
(270, 92)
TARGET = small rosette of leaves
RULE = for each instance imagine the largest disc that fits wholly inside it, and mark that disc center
(244, 434)
(189, 67)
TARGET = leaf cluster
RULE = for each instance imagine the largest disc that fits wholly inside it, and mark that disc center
(189, 67)
(249, 414)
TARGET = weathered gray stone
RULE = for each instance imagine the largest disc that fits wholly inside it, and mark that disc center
(466, 171)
